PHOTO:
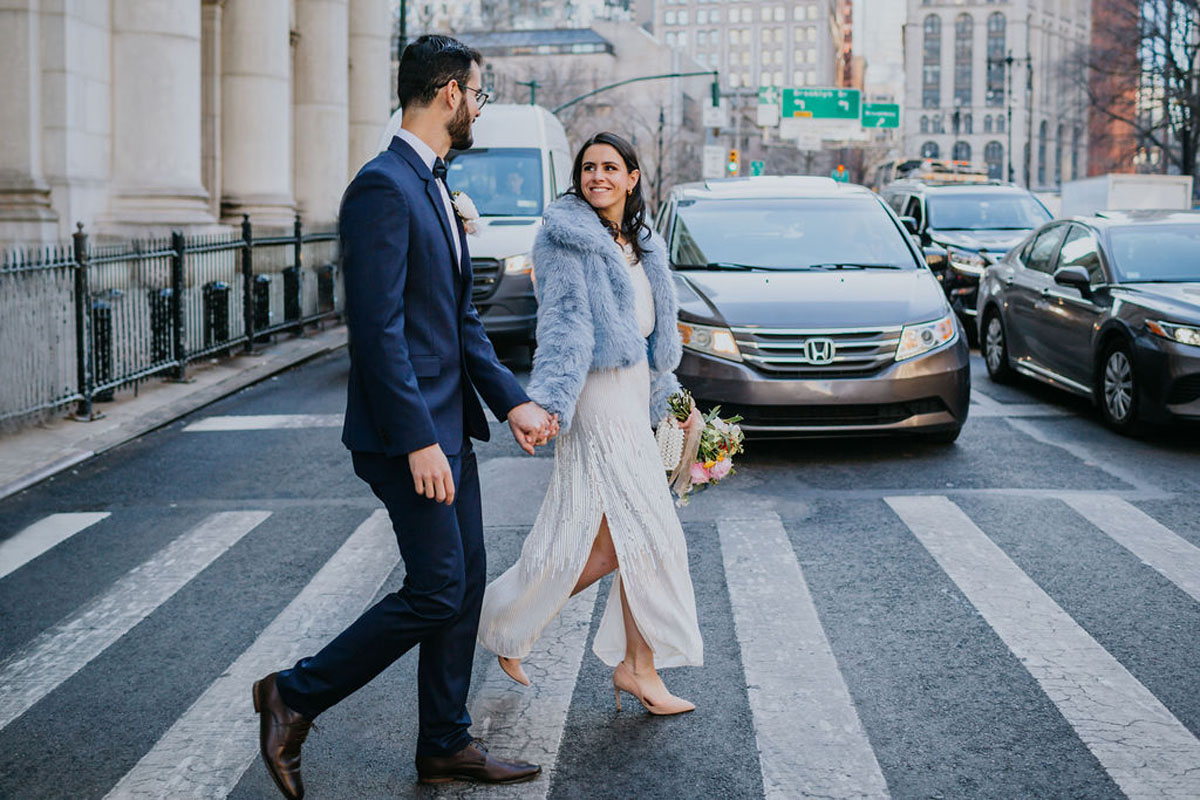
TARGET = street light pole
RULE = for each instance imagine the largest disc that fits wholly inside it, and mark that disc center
(533, 85)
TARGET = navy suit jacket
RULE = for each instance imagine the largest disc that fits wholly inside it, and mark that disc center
(418, 351)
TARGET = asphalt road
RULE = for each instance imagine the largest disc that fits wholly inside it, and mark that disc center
(1013, 616)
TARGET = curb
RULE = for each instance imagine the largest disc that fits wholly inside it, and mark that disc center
(165, 415)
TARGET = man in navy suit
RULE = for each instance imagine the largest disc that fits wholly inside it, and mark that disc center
(418, 353)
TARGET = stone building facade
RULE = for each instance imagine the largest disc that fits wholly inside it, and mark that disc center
(967, 100)
(135, 117)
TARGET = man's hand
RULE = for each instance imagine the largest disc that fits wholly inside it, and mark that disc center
(431, 474)
(532, 426)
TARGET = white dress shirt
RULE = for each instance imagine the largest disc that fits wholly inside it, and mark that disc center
(428, 156)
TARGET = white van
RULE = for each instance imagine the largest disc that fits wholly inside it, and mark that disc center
(519, 163)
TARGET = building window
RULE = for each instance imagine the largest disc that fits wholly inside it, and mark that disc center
(993, 155)
(930, 150)
(1041, 154)
(987, 123)
(996, 52)
(931, 73)
(924, 124)
(1058, 156)
(669, 18)
(964, 31)
(961, 151)
(1000, 123)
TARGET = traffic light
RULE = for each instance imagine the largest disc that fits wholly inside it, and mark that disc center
(733, 164)
(716, 93)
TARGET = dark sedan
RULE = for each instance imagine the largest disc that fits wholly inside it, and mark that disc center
(806, 308)
(1107, 307)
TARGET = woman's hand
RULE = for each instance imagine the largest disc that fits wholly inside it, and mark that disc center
(693, 420)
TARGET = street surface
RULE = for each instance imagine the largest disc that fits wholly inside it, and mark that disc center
(1014, 616)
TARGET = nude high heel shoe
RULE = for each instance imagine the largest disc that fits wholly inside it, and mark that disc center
(624, 681)
(512, 668)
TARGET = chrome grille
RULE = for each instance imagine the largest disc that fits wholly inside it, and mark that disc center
(485, 277)
(785, 352)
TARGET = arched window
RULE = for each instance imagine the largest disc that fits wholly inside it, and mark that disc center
(968, 124)
(930, 150)
(987, 123)
(1041, 154)
(924, 124)
(993, 156)
(931, 72)
(961, 151)
(964, 32)
(1000, 123)
(1058, 156)
(1075, 153)
(996, 47)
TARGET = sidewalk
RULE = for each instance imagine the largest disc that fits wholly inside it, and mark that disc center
(33, 454)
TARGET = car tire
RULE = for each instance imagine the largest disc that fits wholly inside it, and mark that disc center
(943, 437)
(994, 348)
(1118, 389)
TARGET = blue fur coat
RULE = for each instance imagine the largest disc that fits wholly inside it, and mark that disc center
(586, 313)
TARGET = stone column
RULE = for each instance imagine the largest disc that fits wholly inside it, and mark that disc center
(370, 77)
(256, 154)
(156, 118)
(25, 212)
(322, 122)
(210, 101)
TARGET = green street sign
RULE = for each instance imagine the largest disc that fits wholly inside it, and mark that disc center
(837, 104)
(881, 115)
(756, 167)
(768, 95)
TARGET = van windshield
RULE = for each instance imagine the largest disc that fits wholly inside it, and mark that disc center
(502, 181)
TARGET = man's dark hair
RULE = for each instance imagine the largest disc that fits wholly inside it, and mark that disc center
(430, 63)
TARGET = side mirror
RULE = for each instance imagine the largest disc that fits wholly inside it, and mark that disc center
(936, 257)
(910, 224)
(1076, 277)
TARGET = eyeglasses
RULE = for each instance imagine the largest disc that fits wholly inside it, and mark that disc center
(481, 97)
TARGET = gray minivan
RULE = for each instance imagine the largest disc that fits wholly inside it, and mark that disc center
(806, 308)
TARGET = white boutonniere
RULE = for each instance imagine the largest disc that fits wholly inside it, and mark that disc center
(464, 207)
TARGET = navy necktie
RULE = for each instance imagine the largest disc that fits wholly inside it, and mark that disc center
(439, 170)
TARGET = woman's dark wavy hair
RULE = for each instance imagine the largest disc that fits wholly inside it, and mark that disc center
(634, 221)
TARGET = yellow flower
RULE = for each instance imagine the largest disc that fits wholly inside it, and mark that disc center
(709, 464)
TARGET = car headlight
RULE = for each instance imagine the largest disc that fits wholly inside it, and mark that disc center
(1184, 334)
(925, 336)
(518, 265)
(710, 339)
(966, 262)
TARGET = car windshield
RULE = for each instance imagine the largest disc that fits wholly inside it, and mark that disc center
(985, 211)
(502, 181)
(787, 234)
(1146, 253)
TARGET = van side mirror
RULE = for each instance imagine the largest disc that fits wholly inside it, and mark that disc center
(910, 224)
(1076, 277)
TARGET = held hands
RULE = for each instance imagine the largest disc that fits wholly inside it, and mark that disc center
(532, 426)
(431, 474)
(694, 419)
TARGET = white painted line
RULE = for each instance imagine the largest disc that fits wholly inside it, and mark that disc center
(810, 738)
(58, 653)
(264, 422)
(42, 536)
(1019, 410)
(1147, 751)
(206, 751)
(527, 723)
(1176, 558)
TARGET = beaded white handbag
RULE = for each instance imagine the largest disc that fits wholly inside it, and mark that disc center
(670, 439)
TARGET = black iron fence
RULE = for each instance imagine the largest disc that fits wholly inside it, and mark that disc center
(80, 321)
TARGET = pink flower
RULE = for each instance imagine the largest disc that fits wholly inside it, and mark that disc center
(721, 469)
(699, 473)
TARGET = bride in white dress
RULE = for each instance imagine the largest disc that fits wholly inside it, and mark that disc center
(607, 346)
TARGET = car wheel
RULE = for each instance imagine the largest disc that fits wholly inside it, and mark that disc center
(1118, 389)
(995, 349)
(943, 437)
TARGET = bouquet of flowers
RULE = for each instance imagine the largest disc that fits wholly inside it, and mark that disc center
(706, 455)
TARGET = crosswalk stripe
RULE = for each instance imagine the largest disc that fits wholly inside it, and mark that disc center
(263, 422)
(41, 536)
(1142, 746)
(206, 751)
(1177, 559)
(528, 722)
(809, 736)
(58, 653)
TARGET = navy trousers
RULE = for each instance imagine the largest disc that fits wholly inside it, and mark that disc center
(436, 608)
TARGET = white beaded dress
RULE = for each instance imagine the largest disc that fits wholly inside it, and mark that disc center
(606, 464)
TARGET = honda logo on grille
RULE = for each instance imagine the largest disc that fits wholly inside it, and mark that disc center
(819, 351)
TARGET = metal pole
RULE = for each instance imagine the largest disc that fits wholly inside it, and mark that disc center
(179, 342)
(83, 326)
(658, 162)
(298, 261)
(248, 282)
(1008, 68)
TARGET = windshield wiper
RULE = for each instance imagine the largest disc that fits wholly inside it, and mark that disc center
(719, 265)
(853, 265)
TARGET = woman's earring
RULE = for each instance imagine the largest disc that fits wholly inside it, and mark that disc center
(629, 193)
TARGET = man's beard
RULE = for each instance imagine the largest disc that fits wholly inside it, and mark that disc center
(459, 128)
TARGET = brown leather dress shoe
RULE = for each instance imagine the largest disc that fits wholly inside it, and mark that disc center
(474, 763)
(281, 731)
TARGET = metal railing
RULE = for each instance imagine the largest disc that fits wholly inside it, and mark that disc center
(80, 321)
